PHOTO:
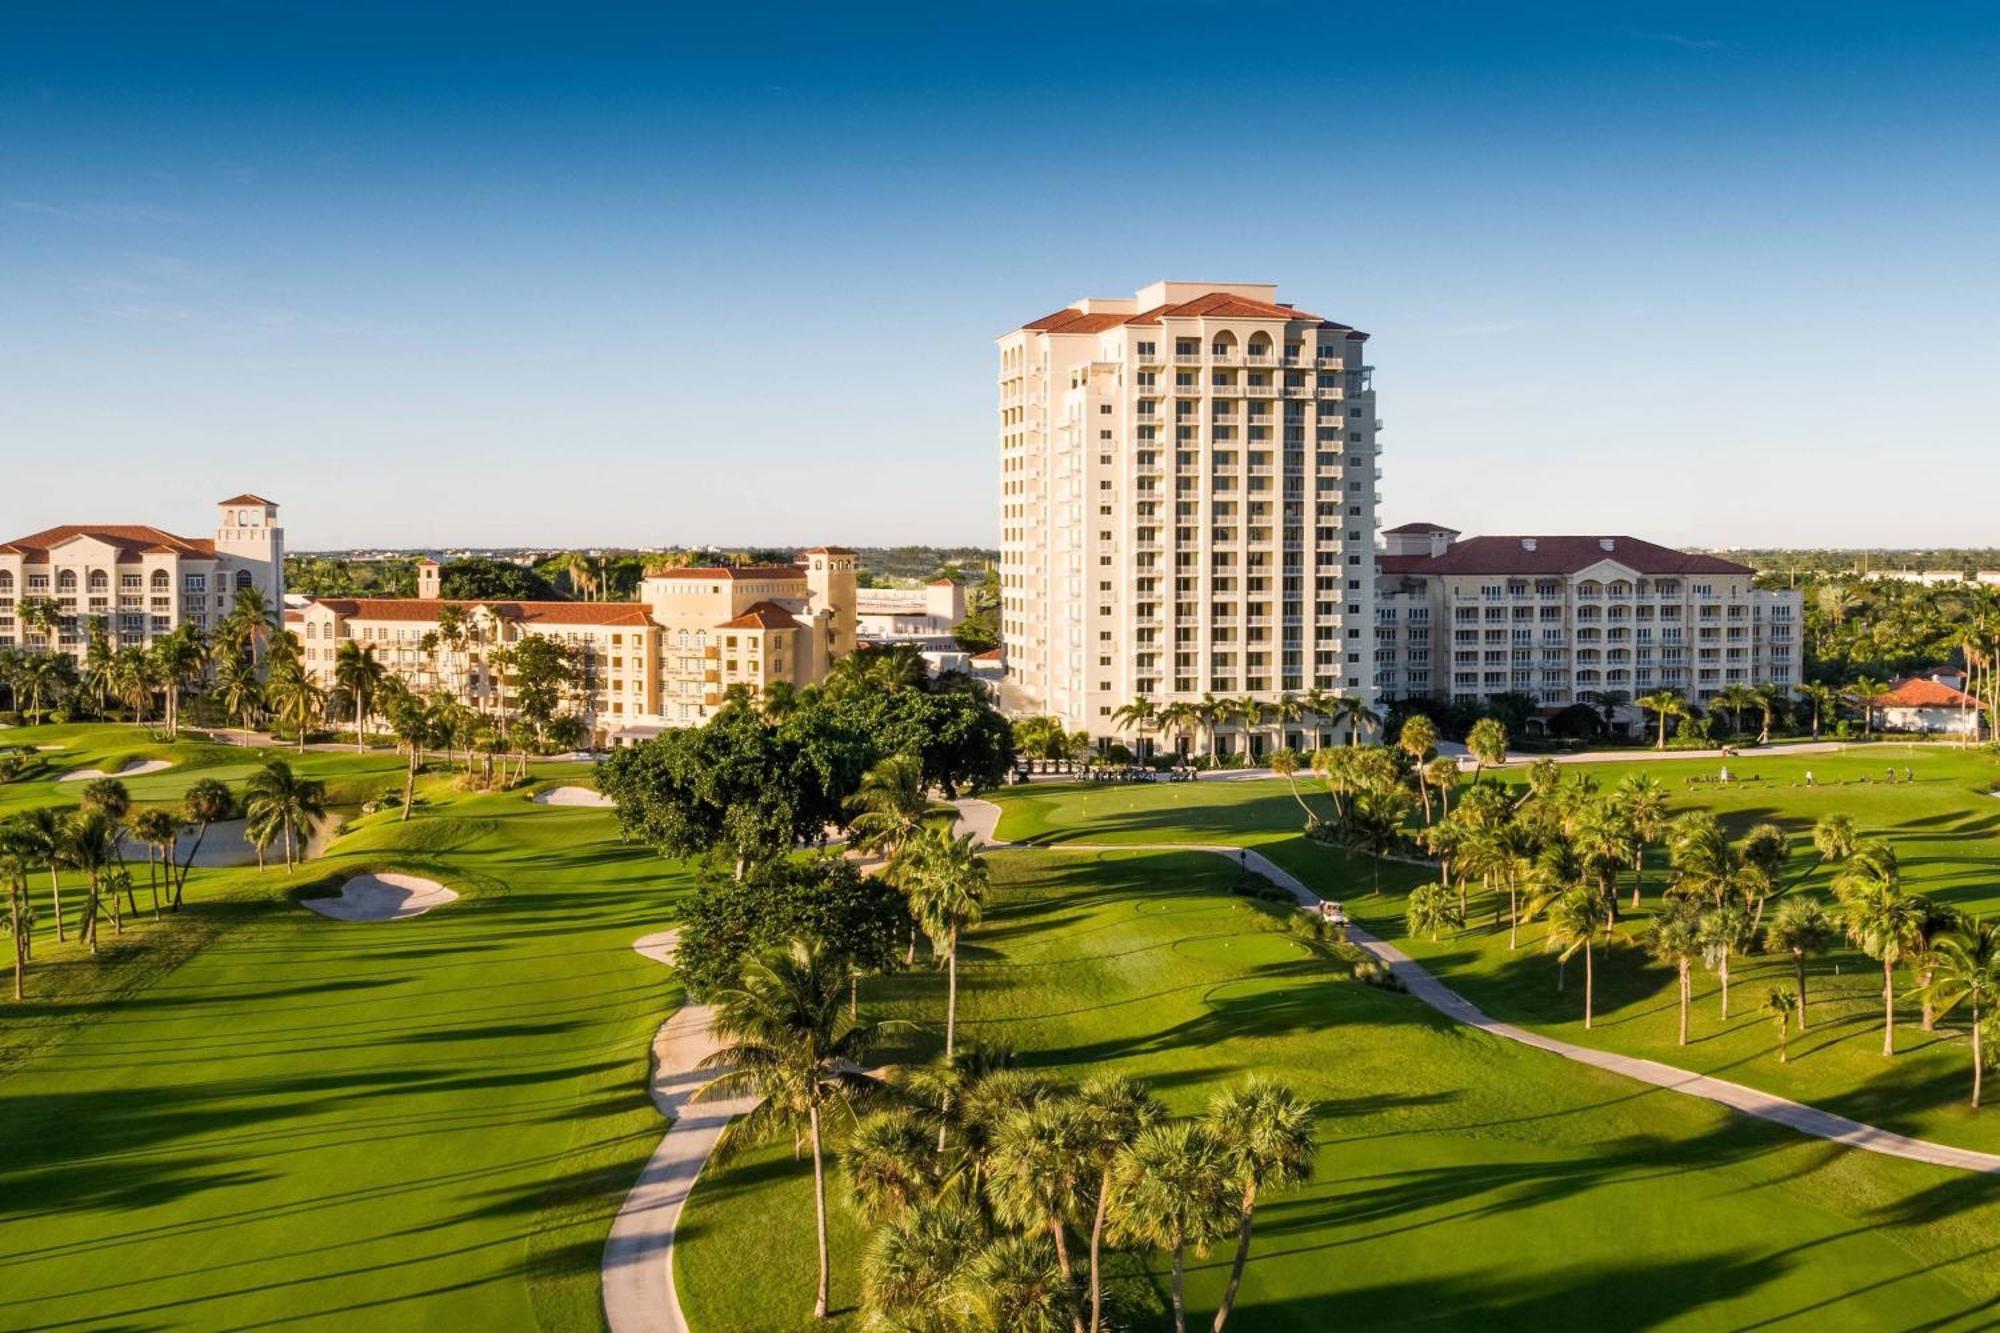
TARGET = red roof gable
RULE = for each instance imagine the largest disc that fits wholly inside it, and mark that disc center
(732, 572)
(248, 499)
(1917, 692)
(1213, 305)
(131, 539)
(763, 615)
(426, 609)
(1403, 529)
(1556, 555)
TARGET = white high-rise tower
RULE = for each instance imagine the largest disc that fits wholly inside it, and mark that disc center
(1187, 506)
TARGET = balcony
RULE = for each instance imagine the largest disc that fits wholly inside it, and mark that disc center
(1260, 390)
(1332, 363)
(1183, 359)
(1331, 393)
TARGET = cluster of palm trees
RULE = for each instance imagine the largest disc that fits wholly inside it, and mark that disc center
(993, 1191)
(1819, 701)
(1207, 717)
(90, 838)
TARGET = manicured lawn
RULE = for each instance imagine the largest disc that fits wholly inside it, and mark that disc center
(1945, 827)
(1461, 1177)
(252, 1117)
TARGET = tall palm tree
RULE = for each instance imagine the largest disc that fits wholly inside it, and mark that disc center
(46, 828)
(1249, 715)
(204, 803)
(1965, 968)
(97, 659)
(1725, 931)
(1674, 938)
(1210, 713)
(1766, 699)
(43, 677)
(1834, 838)
(1317, 704)
(945, 895)
(1664, 705)
(1016, 1285)
(890, 1165)
(1266, 1133)
(1800, 926)
(1038, 1168)
(1823, 699)
(1354, 711)
(239, 688)
(788, 1038)
(1735, 700)
(18, 849)
(1175, 1187)
(1177, 719)
(296, 698)
(179, 659)
(1863, 691)
(277, 800)
(1486, 741)
(1119, 1109)
(1778, 1007)
(1578, 918)
(1140, 715)
(1881, 920)
(1284, 762)
(1283, 712)
(1417, 739)
(356, 671)
(914, 1273)
(157, 829)
(247, 626)
(90, 847)
(1642, 803)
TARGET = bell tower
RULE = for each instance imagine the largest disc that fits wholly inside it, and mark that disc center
(250, 549)
(831, 581)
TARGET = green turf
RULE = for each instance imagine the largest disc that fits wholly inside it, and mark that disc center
(1461, 1177)
(1945, 827)
(253, 1117)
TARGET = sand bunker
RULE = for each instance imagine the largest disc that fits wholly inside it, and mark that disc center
(386, 897)
(132, 770)
(579, 796)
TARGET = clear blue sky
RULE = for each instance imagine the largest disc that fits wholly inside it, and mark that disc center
(495, 272)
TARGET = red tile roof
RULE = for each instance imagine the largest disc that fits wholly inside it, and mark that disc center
(991, 655)
(1406, 528)
(763, 615)
(831, 550)
(1556, 555)
(248, 499)
(1214, 305)
(426, 609)
(1917, 692)
(732, 572)
(131, 539)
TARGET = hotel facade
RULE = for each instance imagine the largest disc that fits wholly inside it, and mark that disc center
(665, 660)
(1187, 496)
(1567, 620)
(142, 582)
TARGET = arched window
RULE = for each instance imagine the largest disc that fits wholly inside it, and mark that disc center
(1223, 344)
(312, 631)
(1590, 588)
(242, 578)
(683, 640)
(6, 580)
(701, 638)
(66, 581)
(161, 582)
(1260, 345)
(99, 582)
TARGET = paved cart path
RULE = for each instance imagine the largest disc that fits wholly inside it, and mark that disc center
(983, 817)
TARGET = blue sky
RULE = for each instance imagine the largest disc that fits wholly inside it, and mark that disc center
(493, 273)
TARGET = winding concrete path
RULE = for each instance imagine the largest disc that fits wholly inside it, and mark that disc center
(639, 1295)
(983, 817)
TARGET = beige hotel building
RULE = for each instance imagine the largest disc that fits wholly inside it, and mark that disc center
(1187, 498)
(1568, 619)
(143, 582)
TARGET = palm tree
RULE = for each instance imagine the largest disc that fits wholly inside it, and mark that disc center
(356, 671)
(158, 829)
(1140, 715)
(1417, 739)
(1736, 700)
(179, 658)
(945, 895)
(914, 1272)
(1766, 699)
(789, 1039)
(18, 849)
(1724, 932)
(279, 801)
(97, 659)
(1353, 710)
(1487, 743)
(1881, 920)
(1118, 1109)
(1283, 712)
(1038, 1165)
(1175, 1188)
(1177, 719)
(1441, 775)
(249, 623)
(1965, 966)
(1016, 1285)
(296, 698)
(1799, 926)
(1431, 909)
(1665, 705)
(1834, 838)
(239, 688)
(890, 1165)
(1374, 825)
(89, 847)
(47, 830)
(1285, 762)
(1266, 1133)
(43, 677)
(1778, 1007)
(1863, 691)
(1578, 918)
(1824, 700)
(1210, 714)
(1249, 715)
(1317, 704)
(1674, 938)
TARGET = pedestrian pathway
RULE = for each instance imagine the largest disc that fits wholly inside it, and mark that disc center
(639, 1294)
(983, 817)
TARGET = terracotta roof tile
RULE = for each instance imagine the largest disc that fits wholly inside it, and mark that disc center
(732, 572)
(763, 615)
(131, 539)
(248, 499)
(1556, 555)
(1406, 528)
(425, 610)
(1918, 692)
